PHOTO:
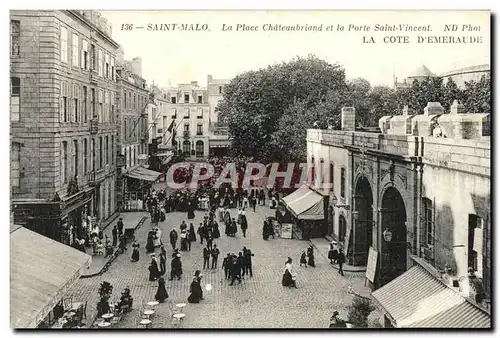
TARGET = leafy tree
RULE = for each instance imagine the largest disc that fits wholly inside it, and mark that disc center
(358, 97)
(382, 101)
(289, 140)
(255, 101)
(451, 92)
(477, 96)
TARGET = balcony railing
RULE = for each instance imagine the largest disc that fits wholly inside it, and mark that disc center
(95, 176)
(94, 126)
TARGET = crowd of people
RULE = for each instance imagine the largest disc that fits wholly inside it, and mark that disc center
(219, 205)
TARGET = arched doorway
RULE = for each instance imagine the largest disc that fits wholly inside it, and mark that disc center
(363, 222)
(200, 149)
(394, 241)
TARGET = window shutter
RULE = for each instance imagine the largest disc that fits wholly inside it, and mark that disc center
(61, 106)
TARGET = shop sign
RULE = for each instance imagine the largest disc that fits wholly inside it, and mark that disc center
(286, 230)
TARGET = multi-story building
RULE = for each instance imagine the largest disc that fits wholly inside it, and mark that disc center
(63, 127)
(412, 203)
(218, 129)
(185, 118)
(132, 101)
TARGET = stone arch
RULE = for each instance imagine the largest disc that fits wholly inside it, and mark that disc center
(393, 220)
(362, 220)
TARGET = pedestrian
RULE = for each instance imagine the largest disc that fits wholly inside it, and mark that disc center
(150, 242)
(183, 240)
(201, 232)
(154, 273)
(195, 291)
(192, 233)
(206, 258)
(341, 261)
(209, 239)
(253, 202)
(161, 293)
(135, 251)
(310, 256)
(332, 254)
(303, 260)
(215, 255)
(120, 226)
(114, 234)
(247, 261)
(226, 265)
(163, 263)
(173, 238)
(244, 224)
(235, 271)
(288, 276)
(176, 267)
(188, 240)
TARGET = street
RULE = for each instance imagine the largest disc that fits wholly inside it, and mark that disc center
(258, 302)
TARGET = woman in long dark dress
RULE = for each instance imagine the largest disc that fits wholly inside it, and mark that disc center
(288, 279)
(192, 233)
(190, 210)
(161, 293)
(332, 254)
(216, 232)
(265, 231)
(310, 257)
(135, 252)
(150, 247)
(154, 272)
(195, 291)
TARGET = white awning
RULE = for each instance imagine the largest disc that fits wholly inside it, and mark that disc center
(41, 272)
(305, 203)
(144, 174)
(417, 299)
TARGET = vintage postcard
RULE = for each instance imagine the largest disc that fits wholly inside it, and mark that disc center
(250, 169)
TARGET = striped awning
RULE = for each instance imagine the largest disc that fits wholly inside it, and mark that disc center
(41, 272)
(304, 203)
(419, 300)
(143, 174)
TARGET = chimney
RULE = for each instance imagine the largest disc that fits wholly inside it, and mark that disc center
(433, 108)
(348, 119)
(406, 111)
(209, 78)
(457, 108)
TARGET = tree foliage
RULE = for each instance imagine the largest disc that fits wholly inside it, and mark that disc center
(269, 110)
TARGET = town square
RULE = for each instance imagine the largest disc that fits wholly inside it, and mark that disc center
(167, 173)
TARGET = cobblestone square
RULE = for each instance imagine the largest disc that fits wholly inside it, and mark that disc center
(258, 302)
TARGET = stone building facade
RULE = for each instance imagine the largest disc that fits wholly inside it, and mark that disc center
(63, 127)
(132, 102)
(416, 192)
(186, 120)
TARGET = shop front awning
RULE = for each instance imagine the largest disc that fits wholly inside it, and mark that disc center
(41, 272)
(417, 299)
(305, 204)
(143, 174)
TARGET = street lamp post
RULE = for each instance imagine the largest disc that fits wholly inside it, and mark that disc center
(355, 217)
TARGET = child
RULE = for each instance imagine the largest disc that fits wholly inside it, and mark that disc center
(303, 259)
